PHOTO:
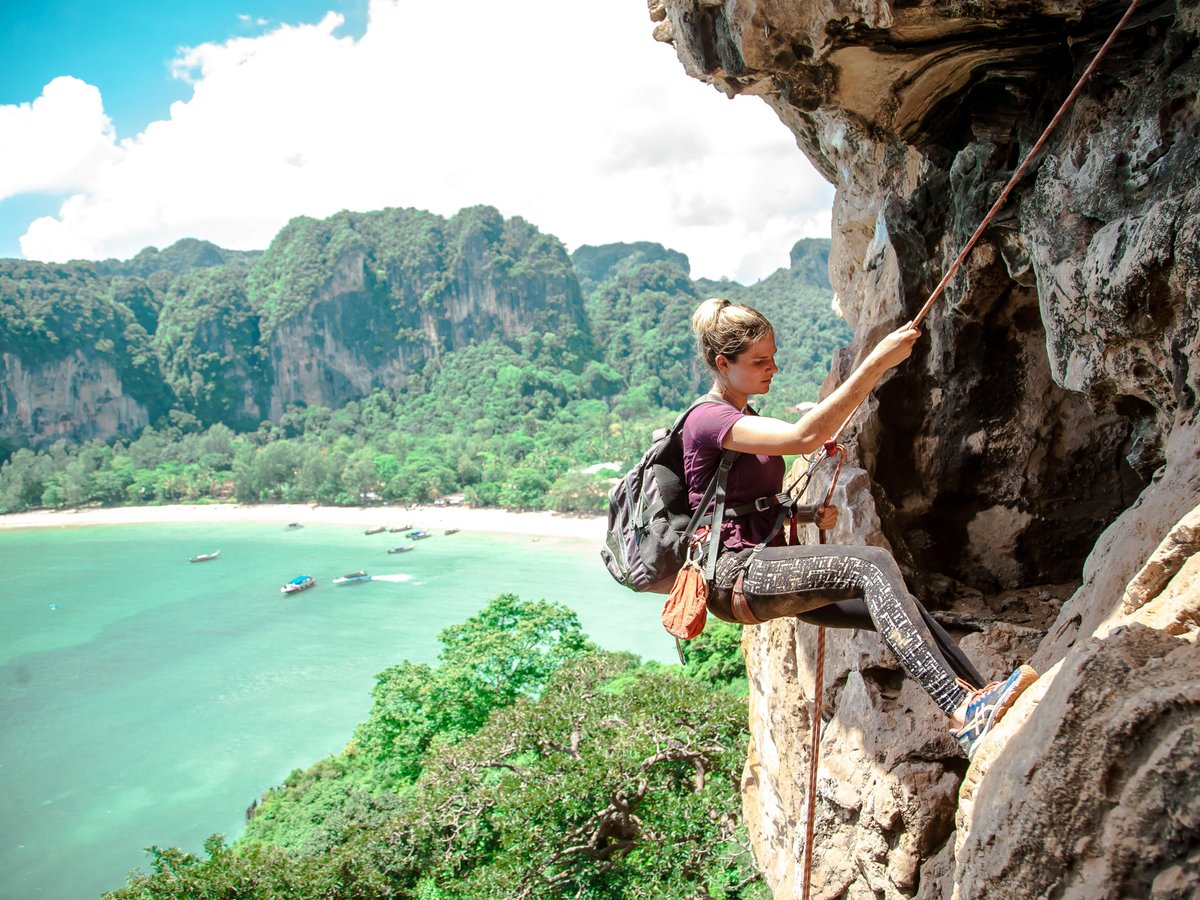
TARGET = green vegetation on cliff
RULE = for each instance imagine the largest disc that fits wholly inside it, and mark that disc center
(525, 764)
(496, 376)
(209, 347)
(49, 312)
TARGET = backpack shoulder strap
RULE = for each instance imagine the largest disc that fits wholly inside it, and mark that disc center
(714, 493)
(699, 401)
(676, 427)
(714, 540)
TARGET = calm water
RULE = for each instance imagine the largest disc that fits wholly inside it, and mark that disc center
(148, 701)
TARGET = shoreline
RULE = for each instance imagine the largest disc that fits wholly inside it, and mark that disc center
(533, 524)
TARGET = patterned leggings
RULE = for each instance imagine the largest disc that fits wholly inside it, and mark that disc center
(848, 587)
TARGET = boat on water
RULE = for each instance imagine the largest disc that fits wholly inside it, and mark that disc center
(400, 549)
(294, 525)
(297, 584)
(417, 534)
(397, 528)
(451, 531)
(352, 578)
(205, 557)
(376, 529)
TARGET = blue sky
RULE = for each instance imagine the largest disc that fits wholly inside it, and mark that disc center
(125, 49)
(130, 124)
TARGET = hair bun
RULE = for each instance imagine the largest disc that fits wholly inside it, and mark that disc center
(706, 314)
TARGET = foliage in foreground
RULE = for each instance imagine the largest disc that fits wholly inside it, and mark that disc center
(591, 776)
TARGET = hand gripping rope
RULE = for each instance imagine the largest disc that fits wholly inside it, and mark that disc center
(834, 448)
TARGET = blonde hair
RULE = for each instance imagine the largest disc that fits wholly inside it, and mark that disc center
(727, 329)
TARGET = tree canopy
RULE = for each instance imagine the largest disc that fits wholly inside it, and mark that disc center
(527, 763)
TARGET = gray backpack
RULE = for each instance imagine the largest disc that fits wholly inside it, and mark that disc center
(651, 523)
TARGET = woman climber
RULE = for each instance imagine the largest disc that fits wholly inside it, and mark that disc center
(758, 577)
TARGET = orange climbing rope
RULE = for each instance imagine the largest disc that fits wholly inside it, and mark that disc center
(832, 447)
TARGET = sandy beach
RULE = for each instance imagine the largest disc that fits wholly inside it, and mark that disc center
(433, 518)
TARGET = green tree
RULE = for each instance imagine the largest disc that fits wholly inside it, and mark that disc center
(617, 782)
(569, 772)
(506, 651)
(715, 656)
(579, 492)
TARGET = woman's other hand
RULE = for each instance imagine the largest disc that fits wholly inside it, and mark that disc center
(827, 517)
(896, 347)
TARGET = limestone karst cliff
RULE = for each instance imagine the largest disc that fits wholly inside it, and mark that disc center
(333, 310)
(356, 302)
(1034, 467)
(73, 397)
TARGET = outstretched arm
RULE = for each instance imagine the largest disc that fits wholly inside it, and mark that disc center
(775, 437)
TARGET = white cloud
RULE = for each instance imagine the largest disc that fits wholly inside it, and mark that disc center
(58, 143)
(578, 121)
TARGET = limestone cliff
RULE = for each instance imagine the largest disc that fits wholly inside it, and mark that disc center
(340, 346)
(333, 310)
(359, 301)
(74, 397)
(1033, 467)
(75, 355)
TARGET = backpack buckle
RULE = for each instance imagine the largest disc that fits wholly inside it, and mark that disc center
(762, 504)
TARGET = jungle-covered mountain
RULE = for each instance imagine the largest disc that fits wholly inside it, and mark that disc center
(378, 356)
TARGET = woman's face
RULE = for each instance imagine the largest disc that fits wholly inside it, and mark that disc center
(754, 368)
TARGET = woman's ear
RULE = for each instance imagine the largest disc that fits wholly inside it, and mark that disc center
(722, 363)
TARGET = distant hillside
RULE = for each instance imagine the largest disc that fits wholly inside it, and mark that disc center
(182, 256)
(595, 264)
(640, 304)
(331, 311)
(368, 357)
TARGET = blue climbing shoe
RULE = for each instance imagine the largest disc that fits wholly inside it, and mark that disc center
(988, 704)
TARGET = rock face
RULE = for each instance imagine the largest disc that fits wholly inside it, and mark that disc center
(74, 398)
(1033, 467)
(333, 310)
(339, 347)
(369, 321)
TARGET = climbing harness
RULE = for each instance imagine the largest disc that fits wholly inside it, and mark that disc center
(833, 447)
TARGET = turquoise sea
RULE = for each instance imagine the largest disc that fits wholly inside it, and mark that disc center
(147, 701)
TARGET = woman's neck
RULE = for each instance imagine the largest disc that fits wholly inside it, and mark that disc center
(729, 395)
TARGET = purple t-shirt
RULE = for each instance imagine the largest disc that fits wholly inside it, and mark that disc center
(751, 476)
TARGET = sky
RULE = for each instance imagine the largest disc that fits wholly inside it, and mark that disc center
(134, 124)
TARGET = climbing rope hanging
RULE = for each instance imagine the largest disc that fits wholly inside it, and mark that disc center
(814, 750)
(832, 447)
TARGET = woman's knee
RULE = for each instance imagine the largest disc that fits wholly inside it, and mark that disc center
(880, 559)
